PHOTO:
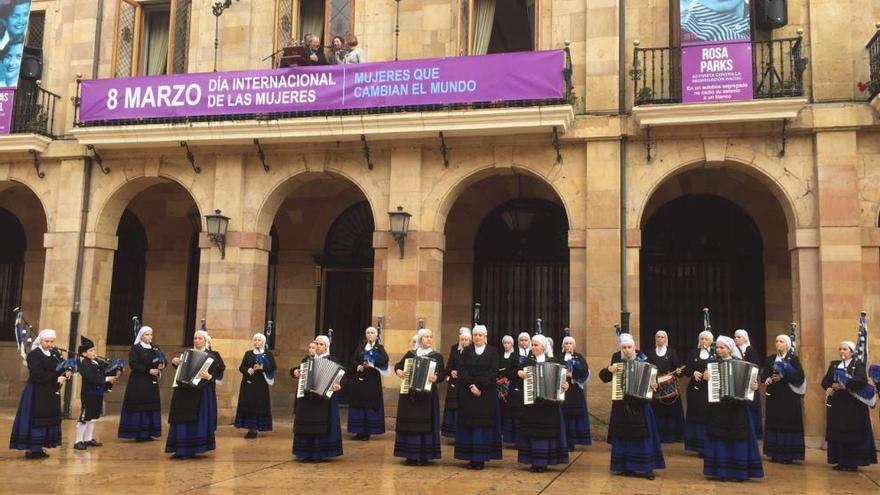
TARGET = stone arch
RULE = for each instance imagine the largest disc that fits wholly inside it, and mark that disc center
(113, 202)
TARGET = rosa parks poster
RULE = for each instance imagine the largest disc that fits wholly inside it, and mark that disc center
(716, 53)
(14, 15)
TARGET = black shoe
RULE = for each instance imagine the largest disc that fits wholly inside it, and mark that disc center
(851, 469)
(838, 468)
(649, 475)
(410, 462)
(422, 462)
(538, 469)
(357, 437)
(479, 465)
(786, 461)
(365, 438)
(36, 455)
(80, 446)
(250, 434)
(181, 457)
(94, 443)
(144, 439)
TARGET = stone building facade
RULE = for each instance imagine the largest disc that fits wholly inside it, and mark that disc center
(794, 176)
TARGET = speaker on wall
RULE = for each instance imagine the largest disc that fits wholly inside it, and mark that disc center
(771, 14)
(31, 63)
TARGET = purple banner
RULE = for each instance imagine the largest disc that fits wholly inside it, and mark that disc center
(7, 96)
(486, 78)
(716, 73)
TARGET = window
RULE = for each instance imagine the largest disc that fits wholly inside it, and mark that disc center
(151, 37)
(498, 26)
(326, 18)
(36, 27)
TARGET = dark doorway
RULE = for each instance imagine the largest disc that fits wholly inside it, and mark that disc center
(11, 271)
(701, 251)
(521, 269)
(192, 285)
(272, 284)
(129, 275)
(513, 29)
(346, 292)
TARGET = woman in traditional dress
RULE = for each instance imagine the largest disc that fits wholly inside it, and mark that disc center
(635, 444)
(417, 434)
(366, 408)
(784, 378)
(741, 337)
(511, 425)
(478, 433)
(731, 449)
(847, 425)
(542, 437)
(697, 393)
(574, 409)
(668, 412)
(506, 369)
(257, 369)
(317, 431)
(37, 423)
(192, 418)
(141, 415)
(450, 408)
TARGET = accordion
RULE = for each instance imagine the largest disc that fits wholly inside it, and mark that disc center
(544, 381)
(633, 379)
(732, 379)
(417, 373)
(318, 376)
(192, 364)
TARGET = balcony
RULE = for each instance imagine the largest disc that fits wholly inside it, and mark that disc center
(33, 118)
(777, 90)
(350, 118)
(872, 85)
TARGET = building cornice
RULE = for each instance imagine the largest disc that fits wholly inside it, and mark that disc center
(718, 113)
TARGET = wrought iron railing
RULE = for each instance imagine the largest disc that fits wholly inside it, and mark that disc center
(872, 85)
(33, 109)
(778, 71)
(567, 98)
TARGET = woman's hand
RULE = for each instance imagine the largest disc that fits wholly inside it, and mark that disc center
(176, 361)
(476, 391)
(776, 378)
(62, 379)
(768, 381)
(654, 386)
(568, 373)
(68, 374)
(154, 372)
(399, 373)
(454, 374)
(522, 374)
(205, 375)
(297, 373)
(565, 386)
(111, 380)
(698, 376)
(612, 369)
(837, 386)
(161, 366)
(829, 392)
(360, 368)
(250, 371)
(257, 367)
(432, 378)
(754, 385)
(337, 387)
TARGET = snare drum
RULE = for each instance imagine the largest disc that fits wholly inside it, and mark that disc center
(667, 388)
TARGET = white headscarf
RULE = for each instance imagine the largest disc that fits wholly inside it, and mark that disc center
(625, 338)
(661, 351)
(787, 340)
(263, 338)
(848, 343)
(46, 333)
(144, 329)
(730, 344)
(852, 347)
(508, 338)
(480, 329)
(549, 349)
(419, 350)
(568, 355)
(523, 352)
(542, 340)
(368, 346)
(463, 331)
(206, 336)
(415, 341)
(745, 335)
(704, 353)
(326, 340)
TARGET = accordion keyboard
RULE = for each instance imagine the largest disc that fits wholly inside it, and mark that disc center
(617, 383)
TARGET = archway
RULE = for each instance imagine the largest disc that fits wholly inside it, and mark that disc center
(507, 249)
(12, 251)
(715, 238)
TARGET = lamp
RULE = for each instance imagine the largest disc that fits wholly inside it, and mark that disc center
(217, 9)
(399, 225)
(217, 225)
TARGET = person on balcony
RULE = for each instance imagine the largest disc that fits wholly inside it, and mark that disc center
(714, 21)
(354, 55)
(314, 50)
(338, 50)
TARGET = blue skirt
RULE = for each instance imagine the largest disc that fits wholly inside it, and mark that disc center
(542, 452)
(510, 430)
(577, 430)
(755, 412)
(694, 436)
(640, 455)
(134, 425)
(325, 446)
(420, 446)
(450, 421)
(784, 446)
(734, 459)
(195, 437)
(671, 426)
(861, 453)
(258, 422)
(479, 444)
(27, 437)
(366, 421)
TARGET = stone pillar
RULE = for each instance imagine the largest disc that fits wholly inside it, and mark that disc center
(577, 287)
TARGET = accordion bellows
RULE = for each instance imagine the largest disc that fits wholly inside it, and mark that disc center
(544, 381)
(192, 364)
(731, 379)
(318, 376)
(417, 373)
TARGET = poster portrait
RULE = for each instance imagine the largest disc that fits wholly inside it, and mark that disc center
(14, 16)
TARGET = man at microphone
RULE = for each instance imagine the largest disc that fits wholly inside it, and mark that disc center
(314, 50)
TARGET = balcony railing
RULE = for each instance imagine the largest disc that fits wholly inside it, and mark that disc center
(778, 71)
(33, 109)
(872, 85)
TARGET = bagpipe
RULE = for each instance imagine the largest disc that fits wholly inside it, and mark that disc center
(867, 394)
(159, 356)
(707, 327)
(784, 367)
(24, 338)
(573, 364)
